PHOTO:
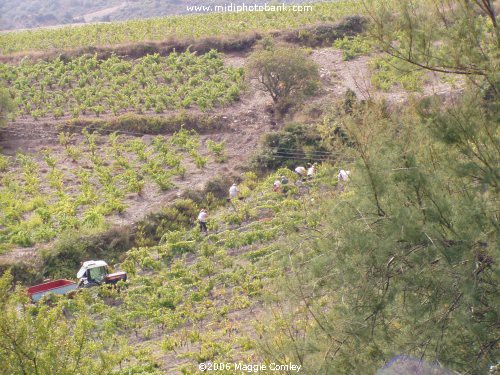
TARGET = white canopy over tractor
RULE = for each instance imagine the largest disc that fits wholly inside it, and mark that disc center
(90, 265)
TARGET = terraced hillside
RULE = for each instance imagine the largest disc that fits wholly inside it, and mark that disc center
(45, 194)
(115, 136)
(121, 166)
(199, 298)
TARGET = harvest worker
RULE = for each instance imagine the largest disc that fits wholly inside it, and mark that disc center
(301, 171)
(233, 191)
(202, 219)
(284, 185)
(277, 186)
(311, 171)
(343, 175)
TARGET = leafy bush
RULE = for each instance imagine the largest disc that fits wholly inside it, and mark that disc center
(26, 274)
(296, 144)
(218, 149)
(63, 259)
(178, 216)
(388, 72)
(149, 124)
(219, 186)
(353, 47)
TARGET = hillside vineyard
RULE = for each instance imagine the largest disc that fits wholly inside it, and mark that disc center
(273, 192)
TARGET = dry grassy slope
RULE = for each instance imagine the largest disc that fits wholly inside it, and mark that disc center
(247, 121)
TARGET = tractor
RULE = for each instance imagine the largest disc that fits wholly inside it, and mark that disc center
(92, 273)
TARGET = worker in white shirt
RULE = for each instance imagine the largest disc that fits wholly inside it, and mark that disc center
(343, 175)
(311, 171)
(277, 186)
(301, 171)
(202, 219)
(233, 192)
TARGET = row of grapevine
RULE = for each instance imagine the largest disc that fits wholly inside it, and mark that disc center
(105, 34)
(87, 85)
(44, 194)
(191, 298)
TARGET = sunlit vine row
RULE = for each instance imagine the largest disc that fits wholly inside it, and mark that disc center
(89, 86)
(45, 193)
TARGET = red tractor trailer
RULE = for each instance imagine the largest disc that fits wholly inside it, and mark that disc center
(92, 273)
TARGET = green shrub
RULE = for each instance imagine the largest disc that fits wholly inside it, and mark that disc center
(284, 72)
(63, 259)
(296, 144)
(151, 124)
(200, 161)
(178, 216)
(353, 47)
(163, 180)
(219, 186)
(218, 149)
(23, 273)
(388, 72)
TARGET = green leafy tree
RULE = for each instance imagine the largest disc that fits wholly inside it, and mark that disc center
(458, 36)
(283, 72)
(406, 262)
(406, 259)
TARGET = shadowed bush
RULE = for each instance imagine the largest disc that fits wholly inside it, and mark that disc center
(72, 248)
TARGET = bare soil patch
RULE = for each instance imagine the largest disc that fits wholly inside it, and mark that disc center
(89, 17)
(338, 76)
